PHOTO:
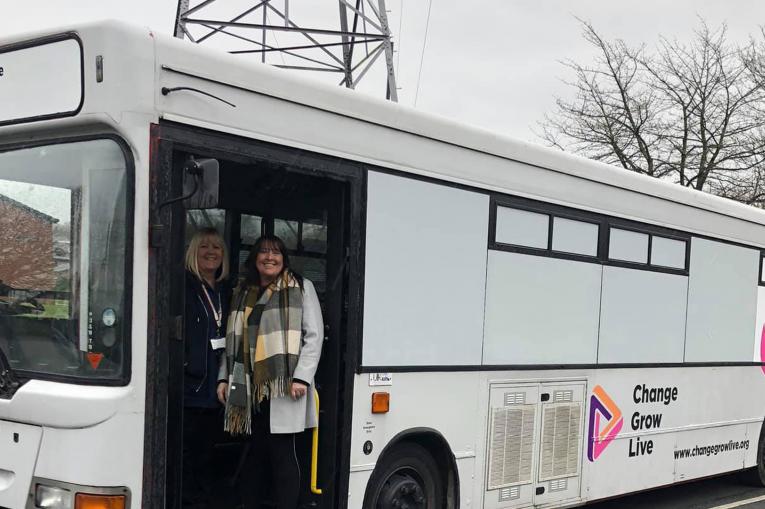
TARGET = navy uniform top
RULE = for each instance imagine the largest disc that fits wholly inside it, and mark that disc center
(205, 308)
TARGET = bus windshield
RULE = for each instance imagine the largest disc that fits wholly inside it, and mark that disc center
(63, 259)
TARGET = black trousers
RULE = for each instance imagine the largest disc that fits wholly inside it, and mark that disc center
(201, 427)
(273, 460)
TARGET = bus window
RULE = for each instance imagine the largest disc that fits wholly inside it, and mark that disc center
(252, 229)
(288, 232)
(310, 259)
(63, 244)
(208, 218)
(314, 237)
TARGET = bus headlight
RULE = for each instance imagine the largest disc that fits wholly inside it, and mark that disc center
(52, 494)
(53, 498)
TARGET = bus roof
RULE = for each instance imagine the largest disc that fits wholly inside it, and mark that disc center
(220, 68)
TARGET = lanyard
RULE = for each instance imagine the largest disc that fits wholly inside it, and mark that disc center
(217, 312)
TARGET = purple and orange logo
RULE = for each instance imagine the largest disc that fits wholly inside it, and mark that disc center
(602, 410)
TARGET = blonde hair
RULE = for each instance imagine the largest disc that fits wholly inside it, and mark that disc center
(191, 252)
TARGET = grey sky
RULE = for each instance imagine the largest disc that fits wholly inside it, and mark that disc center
(494, 64)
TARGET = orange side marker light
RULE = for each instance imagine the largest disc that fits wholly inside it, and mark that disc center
(90, 501)
(380, 402)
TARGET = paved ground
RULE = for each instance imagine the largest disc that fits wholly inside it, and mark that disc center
(726, 492)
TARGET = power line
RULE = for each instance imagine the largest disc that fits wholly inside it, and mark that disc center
(422, 55)
(400, 22)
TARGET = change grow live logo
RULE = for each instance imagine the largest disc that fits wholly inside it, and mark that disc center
(605, 422)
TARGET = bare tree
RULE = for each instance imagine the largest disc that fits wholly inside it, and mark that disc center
(693, 113)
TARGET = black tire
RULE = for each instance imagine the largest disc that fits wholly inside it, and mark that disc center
(406, 474)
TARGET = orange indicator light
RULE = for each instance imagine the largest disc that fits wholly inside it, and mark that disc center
(91, 501)
(380, 402)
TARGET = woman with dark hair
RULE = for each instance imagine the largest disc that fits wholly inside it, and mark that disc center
(273, 345)
(205, 314)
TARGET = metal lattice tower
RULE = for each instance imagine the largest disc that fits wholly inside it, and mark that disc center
(350, 52)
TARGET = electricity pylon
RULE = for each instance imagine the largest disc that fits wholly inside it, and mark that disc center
(361, 40)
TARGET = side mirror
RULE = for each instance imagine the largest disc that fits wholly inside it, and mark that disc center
(201, 179)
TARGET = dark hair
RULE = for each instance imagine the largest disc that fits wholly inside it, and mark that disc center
(253, 276)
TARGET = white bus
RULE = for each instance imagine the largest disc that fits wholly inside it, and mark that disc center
(535, 329)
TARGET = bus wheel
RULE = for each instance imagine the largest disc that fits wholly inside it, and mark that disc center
(406, 476)
(759, 470)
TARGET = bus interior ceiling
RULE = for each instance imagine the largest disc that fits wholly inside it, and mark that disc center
(267, 190)
(306, 211)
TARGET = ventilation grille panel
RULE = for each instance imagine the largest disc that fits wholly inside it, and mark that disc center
(561, 424)
(511, 493)
(558, 485)
(563, 396)
(515, 398)
(511, 446)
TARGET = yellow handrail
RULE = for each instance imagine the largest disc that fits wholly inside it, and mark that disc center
(315, 450)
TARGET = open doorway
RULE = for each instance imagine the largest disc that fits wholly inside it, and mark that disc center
(311, 211)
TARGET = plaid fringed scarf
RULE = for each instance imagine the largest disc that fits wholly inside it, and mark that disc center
(262, 347)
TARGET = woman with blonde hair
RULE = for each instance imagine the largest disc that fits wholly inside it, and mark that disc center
(207, 299)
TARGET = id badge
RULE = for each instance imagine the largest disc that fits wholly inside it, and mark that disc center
(218, 343)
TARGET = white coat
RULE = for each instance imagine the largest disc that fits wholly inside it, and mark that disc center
(294, 416)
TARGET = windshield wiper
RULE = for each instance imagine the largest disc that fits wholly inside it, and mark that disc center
(9, 382)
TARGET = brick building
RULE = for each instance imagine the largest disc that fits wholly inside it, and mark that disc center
(26, 247)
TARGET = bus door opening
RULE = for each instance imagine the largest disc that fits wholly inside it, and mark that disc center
(310, 214)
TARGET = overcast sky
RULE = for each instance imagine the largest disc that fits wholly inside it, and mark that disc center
(494, 64)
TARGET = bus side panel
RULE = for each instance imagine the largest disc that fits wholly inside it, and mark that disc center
(357, 485)
(759, 324)
(656, 426)
(79, 456)
(446, 403)
(753, 431)
(669, 425)
(425, 273)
